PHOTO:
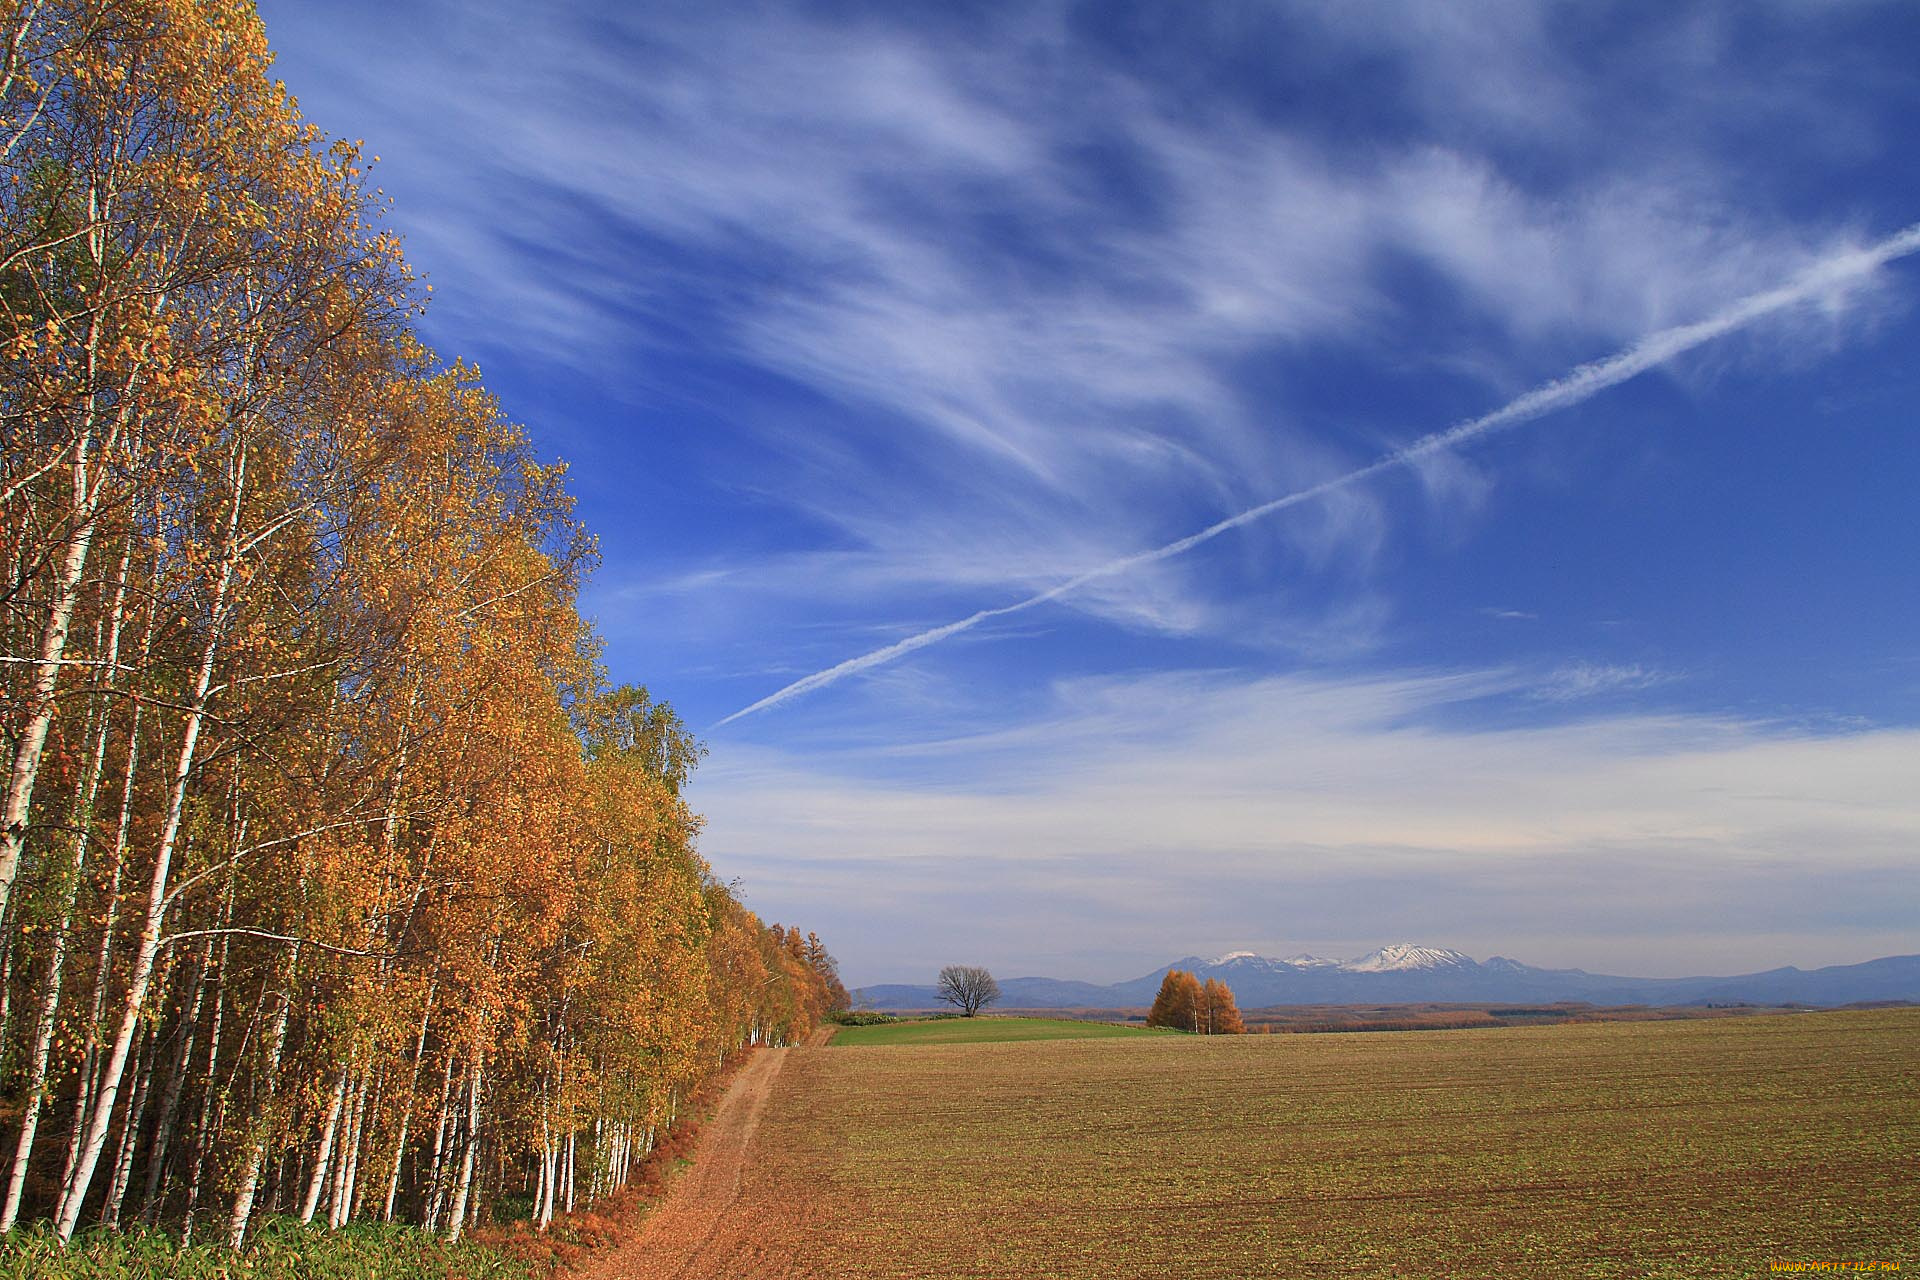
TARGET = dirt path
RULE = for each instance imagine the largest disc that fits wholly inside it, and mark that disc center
(701, 1231)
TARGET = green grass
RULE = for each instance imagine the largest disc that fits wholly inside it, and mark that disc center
(281, 1250)
(986, 1029)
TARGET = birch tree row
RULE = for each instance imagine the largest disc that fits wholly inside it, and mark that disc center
(333, 880)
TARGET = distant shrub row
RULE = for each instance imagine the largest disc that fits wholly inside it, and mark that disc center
(859, 1017)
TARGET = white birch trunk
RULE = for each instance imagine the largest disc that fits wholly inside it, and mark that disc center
(103, 961)
(542, 1194)
(569, 1176)
(322, 1158)
(437, 1180)
(457, 1218)
(342, 1208)
(406, 1108)
(67, 1215)
(41, 1050)
(176, 1084)
(40, 702)
(91, 452)
(130, 1132)
(257, 1141)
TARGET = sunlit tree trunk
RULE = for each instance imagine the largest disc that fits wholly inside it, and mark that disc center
(342, 1207)
(323, 1154)
(109, 913)
(437, 1180)
(130, 1131)
(543, 1184)
(39, 703)
(189, 1030)
(570, 1176)
(256, 1148)
(406, 1108)
(469, 1153)
(67, 1215)
(81, 824)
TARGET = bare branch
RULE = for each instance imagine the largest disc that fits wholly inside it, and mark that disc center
(205, 873)
(240, 931)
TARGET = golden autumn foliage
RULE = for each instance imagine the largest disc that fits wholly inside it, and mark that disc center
(1218, 1014)
(334, 880)
(1185, 1004)
(1177, 1004)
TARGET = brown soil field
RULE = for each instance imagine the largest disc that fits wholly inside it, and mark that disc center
(1676, 1149)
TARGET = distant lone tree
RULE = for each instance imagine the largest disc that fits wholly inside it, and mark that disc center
(1185, 1005)
(1218, 1011)
(968, 988)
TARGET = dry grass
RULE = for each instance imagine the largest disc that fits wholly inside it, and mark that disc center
(1665, 1149)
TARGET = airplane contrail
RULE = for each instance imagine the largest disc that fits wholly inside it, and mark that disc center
(1829, 275)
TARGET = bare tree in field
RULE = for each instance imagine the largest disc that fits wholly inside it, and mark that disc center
(968, 988)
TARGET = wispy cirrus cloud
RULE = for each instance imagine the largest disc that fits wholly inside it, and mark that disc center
(1578, 680)
(1025, 279)
(1827, 282)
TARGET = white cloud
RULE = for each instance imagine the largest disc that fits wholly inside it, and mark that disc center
(1577, 680)
(1176, 803)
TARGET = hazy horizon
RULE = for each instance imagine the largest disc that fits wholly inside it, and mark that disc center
(1328, 953)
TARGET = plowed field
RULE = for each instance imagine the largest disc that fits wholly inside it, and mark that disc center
(1680, 1149)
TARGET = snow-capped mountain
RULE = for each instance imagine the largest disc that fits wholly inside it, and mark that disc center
(1406, 972)
(1405, 956)
(1403, 971)
(1401, 957)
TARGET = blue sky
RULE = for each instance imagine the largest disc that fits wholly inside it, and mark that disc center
(856, 320)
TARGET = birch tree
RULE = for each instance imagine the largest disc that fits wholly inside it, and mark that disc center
(335, 879)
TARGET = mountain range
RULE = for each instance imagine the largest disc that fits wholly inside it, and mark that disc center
(1409, 974)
